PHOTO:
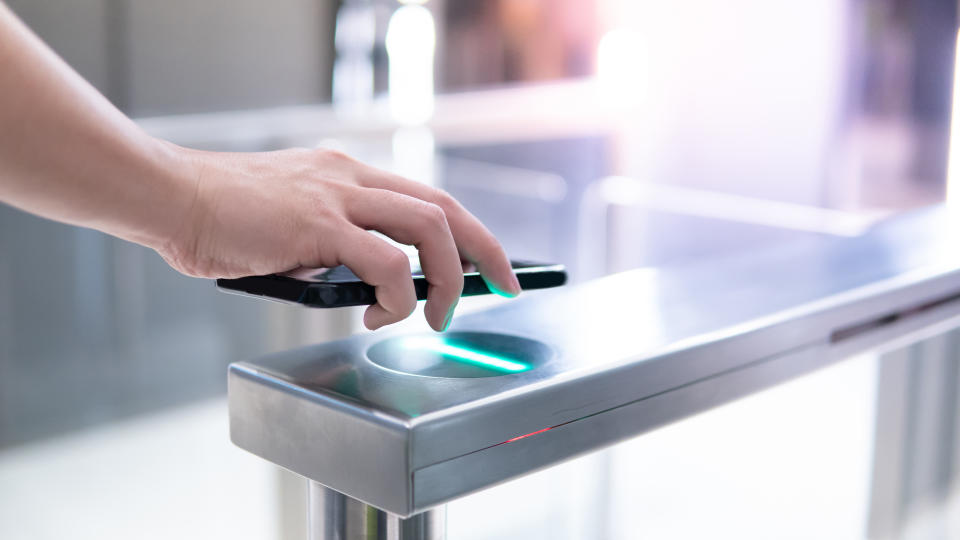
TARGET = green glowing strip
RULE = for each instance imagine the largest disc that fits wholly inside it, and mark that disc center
(470, 355)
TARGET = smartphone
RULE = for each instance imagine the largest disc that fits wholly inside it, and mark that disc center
(339, 287)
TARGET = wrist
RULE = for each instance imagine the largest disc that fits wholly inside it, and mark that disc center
(170, 195)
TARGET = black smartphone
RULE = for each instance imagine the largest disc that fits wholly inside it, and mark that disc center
(339, 287)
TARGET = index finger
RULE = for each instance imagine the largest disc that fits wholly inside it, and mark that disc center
(412, 221)
(474, 241)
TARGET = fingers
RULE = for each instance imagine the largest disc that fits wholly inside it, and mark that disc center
(478, 245)
(385, 267)
(473, 240)
(422, 224)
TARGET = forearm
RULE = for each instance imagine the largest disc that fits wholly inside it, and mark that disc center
(67, 154)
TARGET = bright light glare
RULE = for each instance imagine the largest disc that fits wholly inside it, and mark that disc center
(466, 354)
(411, 41)
(953, 161)
(622, 65)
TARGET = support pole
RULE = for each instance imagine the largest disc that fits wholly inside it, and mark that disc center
(334, 516)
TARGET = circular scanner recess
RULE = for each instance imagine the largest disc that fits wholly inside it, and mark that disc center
(459, 354)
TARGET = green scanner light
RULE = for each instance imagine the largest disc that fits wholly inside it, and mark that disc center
(468, 355)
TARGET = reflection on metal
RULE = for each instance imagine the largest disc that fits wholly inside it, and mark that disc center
(617, 215)
(708, 333)
(462, 353)
(916, 450)
(334, 516)
(504, 180)
(703, 203)
(459, 355)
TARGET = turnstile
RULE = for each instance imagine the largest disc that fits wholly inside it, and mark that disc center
(388, 427)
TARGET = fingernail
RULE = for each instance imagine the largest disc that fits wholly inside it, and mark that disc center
(447, 321)
(516, 284)
(500, 292)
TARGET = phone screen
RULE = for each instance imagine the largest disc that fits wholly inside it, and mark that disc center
(342, 274)
(339, 287)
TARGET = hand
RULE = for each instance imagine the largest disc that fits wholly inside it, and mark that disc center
(263, 213)
(67, 154)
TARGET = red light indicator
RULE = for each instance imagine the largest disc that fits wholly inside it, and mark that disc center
(527, 435)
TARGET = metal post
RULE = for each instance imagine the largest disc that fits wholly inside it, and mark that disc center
(334, 516)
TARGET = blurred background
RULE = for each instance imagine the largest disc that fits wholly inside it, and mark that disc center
(604, 134)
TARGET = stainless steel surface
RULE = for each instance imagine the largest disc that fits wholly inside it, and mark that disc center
(428, 355)
(334, 516)
(634, 351)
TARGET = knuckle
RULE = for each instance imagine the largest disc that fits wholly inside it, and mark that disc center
(342, 195)
(332, 155)
(450, 281)
(335, 165)
(398, 304)
(396, 263)
(326, 211)
(433, 216)
(444, 200)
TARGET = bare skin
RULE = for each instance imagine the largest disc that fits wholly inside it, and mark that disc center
(67, 154)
